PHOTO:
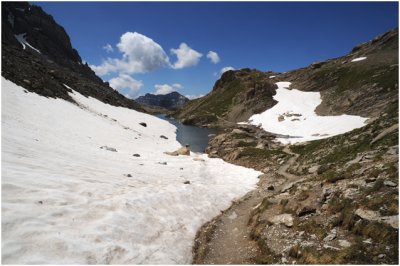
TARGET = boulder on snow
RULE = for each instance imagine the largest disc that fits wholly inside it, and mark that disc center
(143, 124)
(181, 151)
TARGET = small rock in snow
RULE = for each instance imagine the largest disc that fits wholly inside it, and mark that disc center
(163, 163)
(143, 124)
(163, 137)
(129, 175)
(136, 155)
(108, 148)
(186, 182)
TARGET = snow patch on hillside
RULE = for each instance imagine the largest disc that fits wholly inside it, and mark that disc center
(358, 59)
(294, 115)
(66, 201)
(22, 40)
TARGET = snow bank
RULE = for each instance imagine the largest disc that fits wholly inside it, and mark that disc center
(66, 201)
(294, 115)
(358, 59)
(22, 40)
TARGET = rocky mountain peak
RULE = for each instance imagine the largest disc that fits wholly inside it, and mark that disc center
(37, 54)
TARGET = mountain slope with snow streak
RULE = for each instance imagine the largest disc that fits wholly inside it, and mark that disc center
(67, 201)
(294, 115)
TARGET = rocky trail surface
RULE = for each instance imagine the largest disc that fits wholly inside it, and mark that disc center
(226, 239)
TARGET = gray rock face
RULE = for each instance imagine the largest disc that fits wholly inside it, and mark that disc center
(173, 100)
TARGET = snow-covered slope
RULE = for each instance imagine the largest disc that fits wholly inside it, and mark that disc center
(294, 115)
(66, 201)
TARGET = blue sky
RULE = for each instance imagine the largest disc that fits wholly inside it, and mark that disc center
(278, 36)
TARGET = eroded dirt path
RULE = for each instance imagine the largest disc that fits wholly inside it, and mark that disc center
(225, 239)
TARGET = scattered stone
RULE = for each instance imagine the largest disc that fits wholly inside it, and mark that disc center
(287, 187)
(181, 168)
(368, 241)
(381, 256)
(108, 148)
(238, 131)
(186, 182)
(393, 221)
(330, 247)
(163, 163)
(344, 243)
(385, 132)
(394, 150)
(305, 210)
(233, 216)
(163, 137)
(286, 219)
(129, 175)
(367, 214)
(281, 118)
(389, 183)
(331, 235)
(271, 187)
(143, 124)
(313, 169)
(40, 202)
(136, 155)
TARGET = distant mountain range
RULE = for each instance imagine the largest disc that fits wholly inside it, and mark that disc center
(173, 100)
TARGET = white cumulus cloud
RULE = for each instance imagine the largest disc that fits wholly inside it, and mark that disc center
(165, 88)
(108, 47)
(213, 56)
(140, 54)
(223, 70)
(125, 82)
(186, 56)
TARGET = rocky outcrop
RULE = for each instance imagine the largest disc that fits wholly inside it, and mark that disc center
(170, 101)
(234, 98)
(37, 54)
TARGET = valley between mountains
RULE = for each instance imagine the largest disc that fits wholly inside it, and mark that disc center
(303, 169)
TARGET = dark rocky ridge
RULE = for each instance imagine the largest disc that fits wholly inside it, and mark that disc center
(173, 100)
(56, 64)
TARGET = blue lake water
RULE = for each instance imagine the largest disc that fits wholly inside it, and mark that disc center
(196, 137)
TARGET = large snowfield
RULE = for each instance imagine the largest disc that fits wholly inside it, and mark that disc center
(294, 115)
(67, 201)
